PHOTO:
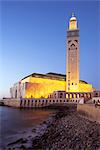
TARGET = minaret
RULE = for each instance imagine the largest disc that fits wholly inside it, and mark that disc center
(72, 73)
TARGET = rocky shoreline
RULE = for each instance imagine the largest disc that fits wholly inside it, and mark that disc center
(66, 130)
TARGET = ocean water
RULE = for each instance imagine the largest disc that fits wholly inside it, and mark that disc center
(15, 121)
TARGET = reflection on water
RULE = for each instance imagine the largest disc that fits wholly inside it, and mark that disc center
(14, 120)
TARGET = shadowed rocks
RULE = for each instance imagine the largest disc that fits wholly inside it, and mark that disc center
(69, 131)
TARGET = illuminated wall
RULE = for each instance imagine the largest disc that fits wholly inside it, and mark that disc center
(85, 87)
(42, 87)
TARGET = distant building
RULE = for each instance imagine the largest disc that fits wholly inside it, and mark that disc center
(43, 85)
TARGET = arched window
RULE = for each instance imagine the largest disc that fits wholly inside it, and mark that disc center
(24, 102)
(32, 103)
(28, 102)
(61, 95)
(16, 93)
(69, 41)
(76, 41)
(73, 45)
(21, 102)
(96, 94)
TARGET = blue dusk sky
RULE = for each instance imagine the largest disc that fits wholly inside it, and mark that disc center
(33, 39)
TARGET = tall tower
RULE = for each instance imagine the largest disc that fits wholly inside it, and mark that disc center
(72, 73)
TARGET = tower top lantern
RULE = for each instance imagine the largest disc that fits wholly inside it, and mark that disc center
(73, 22)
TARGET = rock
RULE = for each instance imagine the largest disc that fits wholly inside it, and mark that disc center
(21, 140)
(22, 147)
(44, 122)
(33, 130)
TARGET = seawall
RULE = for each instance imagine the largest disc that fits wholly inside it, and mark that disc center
(31, 103)
(11, 102)
(89, 111)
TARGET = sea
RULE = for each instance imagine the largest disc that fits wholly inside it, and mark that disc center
(14, 122)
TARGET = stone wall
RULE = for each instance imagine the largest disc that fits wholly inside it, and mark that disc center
(12, 102)
(45, 102)
(33, 102)
(96, 100)
(89, 111)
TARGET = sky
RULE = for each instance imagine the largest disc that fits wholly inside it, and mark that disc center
(33, 39)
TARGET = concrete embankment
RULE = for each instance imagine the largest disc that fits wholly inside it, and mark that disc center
(11, 102)
(89, 111)
(31, 103)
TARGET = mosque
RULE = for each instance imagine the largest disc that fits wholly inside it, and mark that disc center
(38, 85)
